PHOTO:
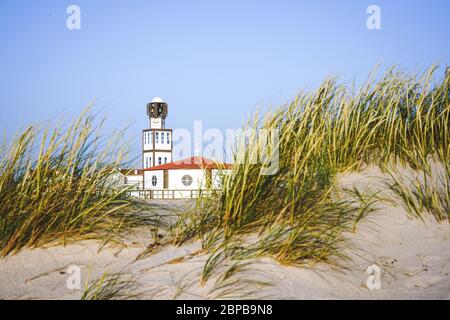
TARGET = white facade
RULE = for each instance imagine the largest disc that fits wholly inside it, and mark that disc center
(162, 158)
(147, 160)
(134, 180)
(163, 178)
(156, 123)
(157, 140)
(154, 180)
(147, 140)
(197, 176)
(181, 183)
(163, 140)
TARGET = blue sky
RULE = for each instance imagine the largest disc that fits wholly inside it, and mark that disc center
(213, 61)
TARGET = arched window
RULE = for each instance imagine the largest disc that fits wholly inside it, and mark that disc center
(165, 159)
(162, 137)
(168, 138)
(157, 137)
(159, 160)
(186, 180)
(154, 181)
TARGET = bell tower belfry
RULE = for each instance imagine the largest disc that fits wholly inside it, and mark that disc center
(156, 141)
(157, 112)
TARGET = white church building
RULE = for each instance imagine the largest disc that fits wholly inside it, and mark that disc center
(162, 178)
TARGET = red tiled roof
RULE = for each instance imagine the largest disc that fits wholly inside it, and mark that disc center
(192, 163)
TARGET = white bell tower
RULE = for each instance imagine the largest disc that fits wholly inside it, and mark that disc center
(156, 141)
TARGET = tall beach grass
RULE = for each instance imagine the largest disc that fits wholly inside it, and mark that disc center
(57, 185)
(296, 215)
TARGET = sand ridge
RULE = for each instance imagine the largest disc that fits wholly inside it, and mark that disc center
(413, 257)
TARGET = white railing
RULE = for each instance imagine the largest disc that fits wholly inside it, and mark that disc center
(167, 194)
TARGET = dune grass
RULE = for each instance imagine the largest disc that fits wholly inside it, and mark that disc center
(58, 185)
(296, 215)
(422, 192)
(117, 286)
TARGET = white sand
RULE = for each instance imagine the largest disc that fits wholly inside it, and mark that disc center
(414, 259)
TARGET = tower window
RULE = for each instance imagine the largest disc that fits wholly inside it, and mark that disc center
(151, 138)
(148, 162)
(162, 137)
(168, 138)
(159, 160)
(157, 137)
(154, 181)
(165, 159)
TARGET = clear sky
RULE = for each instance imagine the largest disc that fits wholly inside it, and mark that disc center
(213, 61)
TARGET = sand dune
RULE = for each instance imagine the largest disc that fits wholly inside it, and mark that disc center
(413, 257)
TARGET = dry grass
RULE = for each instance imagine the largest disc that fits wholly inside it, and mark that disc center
(422, 192)
(296, 215)
(116, 286)
(58, 186)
